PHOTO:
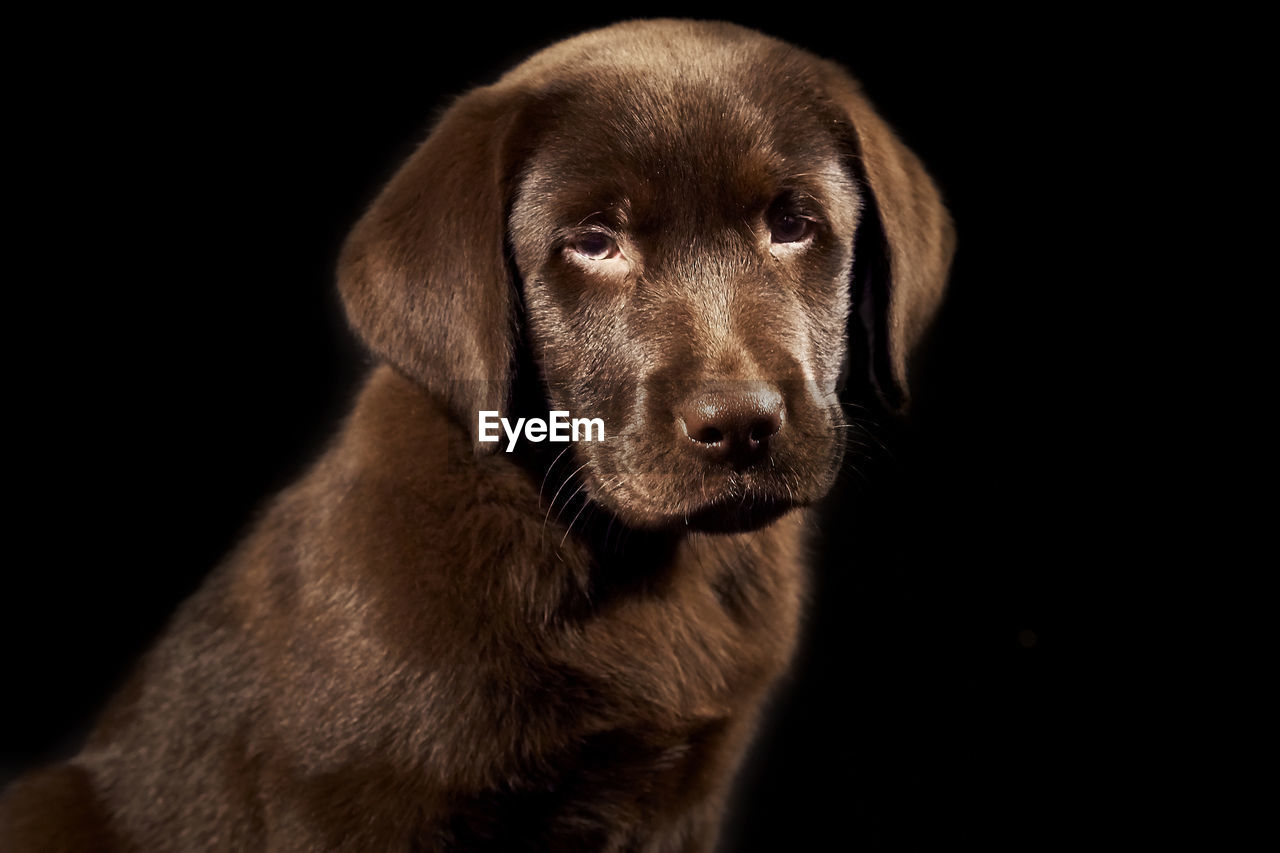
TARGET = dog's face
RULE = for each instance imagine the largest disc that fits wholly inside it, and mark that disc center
(673, 215)
(685, 249)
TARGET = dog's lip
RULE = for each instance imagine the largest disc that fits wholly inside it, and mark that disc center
(727, 512)
(730, 501)
(732, 514)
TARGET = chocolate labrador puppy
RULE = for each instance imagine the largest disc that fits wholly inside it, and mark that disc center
(436, 641)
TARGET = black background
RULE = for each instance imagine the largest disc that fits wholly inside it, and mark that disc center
(177, 355)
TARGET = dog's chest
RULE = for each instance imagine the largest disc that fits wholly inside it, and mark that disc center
(614, 790)
(652, 695)
(698, 640)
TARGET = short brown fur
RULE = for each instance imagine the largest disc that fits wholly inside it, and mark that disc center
(428, 645)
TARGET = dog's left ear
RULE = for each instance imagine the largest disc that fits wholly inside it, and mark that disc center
(904, 242)
(423, 274)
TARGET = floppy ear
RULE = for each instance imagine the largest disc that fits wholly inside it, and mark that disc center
(423, 276)
(903, 246)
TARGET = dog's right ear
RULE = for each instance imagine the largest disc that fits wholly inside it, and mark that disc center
(423, 275)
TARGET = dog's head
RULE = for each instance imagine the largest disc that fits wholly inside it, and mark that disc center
(679, 220)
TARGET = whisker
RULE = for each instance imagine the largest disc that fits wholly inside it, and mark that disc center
(608, 531)
(574, 521)
(552, 505)
(551, 467)
(568, 501)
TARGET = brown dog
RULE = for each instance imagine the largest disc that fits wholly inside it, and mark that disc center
(432, 643)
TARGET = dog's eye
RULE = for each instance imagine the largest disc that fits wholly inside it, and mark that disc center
(786, 226)
(595, 246)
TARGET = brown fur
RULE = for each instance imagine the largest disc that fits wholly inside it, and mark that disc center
(428, 645)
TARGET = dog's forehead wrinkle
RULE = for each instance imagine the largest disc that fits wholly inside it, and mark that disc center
(665, 128)
(660, 176)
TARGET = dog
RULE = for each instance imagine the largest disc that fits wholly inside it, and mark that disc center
(689, 232)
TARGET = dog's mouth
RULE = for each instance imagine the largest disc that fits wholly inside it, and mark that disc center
(739, 505)
(736, 515)
(724, 515)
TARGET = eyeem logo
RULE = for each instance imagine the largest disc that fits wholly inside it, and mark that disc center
(560, 428)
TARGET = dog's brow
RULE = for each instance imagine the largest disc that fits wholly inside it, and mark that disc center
(595, 215)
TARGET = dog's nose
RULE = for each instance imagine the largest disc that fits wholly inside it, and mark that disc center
(733, 424)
